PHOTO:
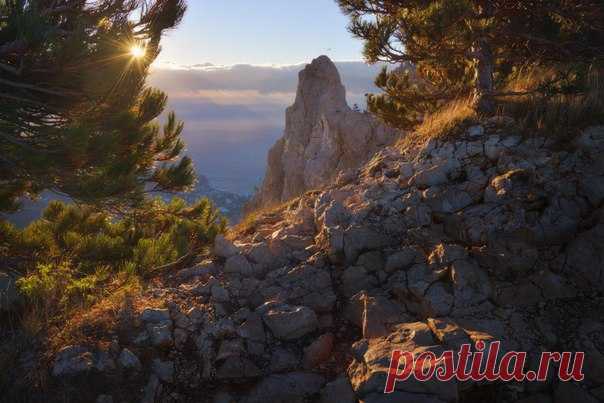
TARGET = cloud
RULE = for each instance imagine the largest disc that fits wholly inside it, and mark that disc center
(233, 114)
(270, 81)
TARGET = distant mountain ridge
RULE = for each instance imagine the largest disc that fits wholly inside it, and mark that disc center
(230, 204)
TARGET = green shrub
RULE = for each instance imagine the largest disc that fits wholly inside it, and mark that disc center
(73, 253)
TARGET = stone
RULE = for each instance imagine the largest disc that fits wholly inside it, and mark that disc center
(220, 294)
(400, 260)
(362, 239)
(223, 396)
(285, 388)
(438, 300)
(180, 337)
(371, 261)
(369, 369)
(252, 328)
(164, 370)
(104, 399)
(373, 314)
(475, 131)
(236, 368)
(321, 138)
(261, 254)
(318, 351)
(471, 283)
(156, 315)
(72, 360)
(103, 362)
(238, 264)
(161, 335)
(152, 390)
(224, 248)
(355, 279)
(443, 255)
(128, 360)
(338, 391)
(432, 176)
(290, 322)
(283, 360)
(584, 257)
(202, 271)
(591, 140)
(568, 392)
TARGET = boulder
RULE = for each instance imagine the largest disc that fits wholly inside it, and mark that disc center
(237, 368)
(290, 322)
(203, 271)
(294, 387)
(224, 248)
(220, 294)
(160, 334)
(156, 315)
(128, 360)
(238, 264)
(318, 351)
(338, 391)
(164, 370)
(72, 360)
(252, 328)
(369, 369)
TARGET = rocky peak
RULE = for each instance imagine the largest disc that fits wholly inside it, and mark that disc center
(320, 90)
(322, 137)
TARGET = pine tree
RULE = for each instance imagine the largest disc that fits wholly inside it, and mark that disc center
(75, 114)
(446, 49)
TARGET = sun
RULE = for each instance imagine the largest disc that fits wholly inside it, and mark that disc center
(137, 51)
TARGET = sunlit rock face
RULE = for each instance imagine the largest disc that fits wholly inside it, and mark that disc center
(323, 136)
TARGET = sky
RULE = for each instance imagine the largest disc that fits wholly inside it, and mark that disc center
(273, 32)
(230, 70)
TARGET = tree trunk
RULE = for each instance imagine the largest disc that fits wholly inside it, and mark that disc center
(483, 93)
(484, 103)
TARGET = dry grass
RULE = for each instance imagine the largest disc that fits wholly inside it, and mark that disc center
(104, 319)
(560, 116)
(255, 218)
(440, 124)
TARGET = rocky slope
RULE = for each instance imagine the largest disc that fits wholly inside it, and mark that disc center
(488, 236)
(322, 137)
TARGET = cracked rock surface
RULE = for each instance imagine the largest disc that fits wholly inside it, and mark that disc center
(490, 237)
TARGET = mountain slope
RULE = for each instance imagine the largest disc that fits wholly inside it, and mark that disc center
(484, 236)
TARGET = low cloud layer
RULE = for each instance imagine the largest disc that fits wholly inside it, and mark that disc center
(233, 114)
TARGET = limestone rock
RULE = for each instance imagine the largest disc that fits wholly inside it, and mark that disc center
(338, 391)
(224, 248)
(156, 315)
(293, 387)
(290, 322)
(318, 351)
(129, 360)
(202, 271)
(322, 137)
(72, 360)
(164, 370)
(238, 264)
(369, 370)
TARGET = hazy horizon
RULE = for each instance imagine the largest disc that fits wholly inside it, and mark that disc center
(233, 114)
